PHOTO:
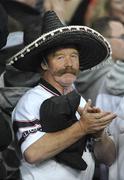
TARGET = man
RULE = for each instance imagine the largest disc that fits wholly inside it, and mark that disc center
(111, 97)
(88, 82)
(115, 9)
(58, 54)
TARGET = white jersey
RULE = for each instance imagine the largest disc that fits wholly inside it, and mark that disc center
(28, 130)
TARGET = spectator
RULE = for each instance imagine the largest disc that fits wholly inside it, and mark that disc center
(111, 97)
(59, 63)
(88, 82)
(116, 9)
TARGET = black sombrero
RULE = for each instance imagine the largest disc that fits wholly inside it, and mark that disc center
(93, 47)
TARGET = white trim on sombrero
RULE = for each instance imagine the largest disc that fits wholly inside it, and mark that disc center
(43, 37)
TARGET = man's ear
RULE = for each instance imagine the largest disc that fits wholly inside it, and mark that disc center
(44, 66)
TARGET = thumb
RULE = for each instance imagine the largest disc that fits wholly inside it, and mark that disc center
(88, 105)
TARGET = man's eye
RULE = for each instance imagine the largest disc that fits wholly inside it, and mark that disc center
(74, 56)
(60, 57)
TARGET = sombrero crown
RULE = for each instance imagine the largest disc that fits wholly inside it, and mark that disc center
(93, 47)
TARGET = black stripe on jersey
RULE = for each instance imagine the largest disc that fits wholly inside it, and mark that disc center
(24, 124)
(26, 134)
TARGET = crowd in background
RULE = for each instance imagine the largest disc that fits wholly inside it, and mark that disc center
(20, 24)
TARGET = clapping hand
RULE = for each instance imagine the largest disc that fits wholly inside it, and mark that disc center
(93, 120)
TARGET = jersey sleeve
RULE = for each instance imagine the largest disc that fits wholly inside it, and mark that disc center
(26, 123)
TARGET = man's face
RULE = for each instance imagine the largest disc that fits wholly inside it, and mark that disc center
(63, 66)
(117, 9)
(116, 40)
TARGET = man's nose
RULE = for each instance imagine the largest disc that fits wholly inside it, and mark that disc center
(68, 62)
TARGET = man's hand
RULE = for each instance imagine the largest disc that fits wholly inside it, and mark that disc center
(93, 120)
(90, 109)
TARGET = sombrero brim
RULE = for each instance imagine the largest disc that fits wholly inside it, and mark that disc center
(93, 47)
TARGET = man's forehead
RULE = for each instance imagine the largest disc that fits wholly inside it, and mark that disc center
(60, 49)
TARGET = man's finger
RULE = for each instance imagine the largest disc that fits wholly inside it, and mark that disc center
(88, 105)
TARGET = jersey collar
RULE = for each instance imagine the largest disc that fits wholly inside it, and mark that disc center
(50, 87)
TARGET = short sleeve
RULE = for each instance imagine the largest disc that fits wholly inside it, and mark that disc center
(26, 122)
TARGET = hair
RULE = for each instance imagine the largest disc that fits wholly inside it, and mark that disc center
(102, 25)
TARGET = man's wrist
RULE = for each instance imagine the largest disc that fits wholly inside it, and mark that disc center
(104, 134)
(82, 129)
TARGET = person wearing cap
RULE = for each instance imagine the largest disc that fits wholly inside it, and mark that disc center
(59, 53)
